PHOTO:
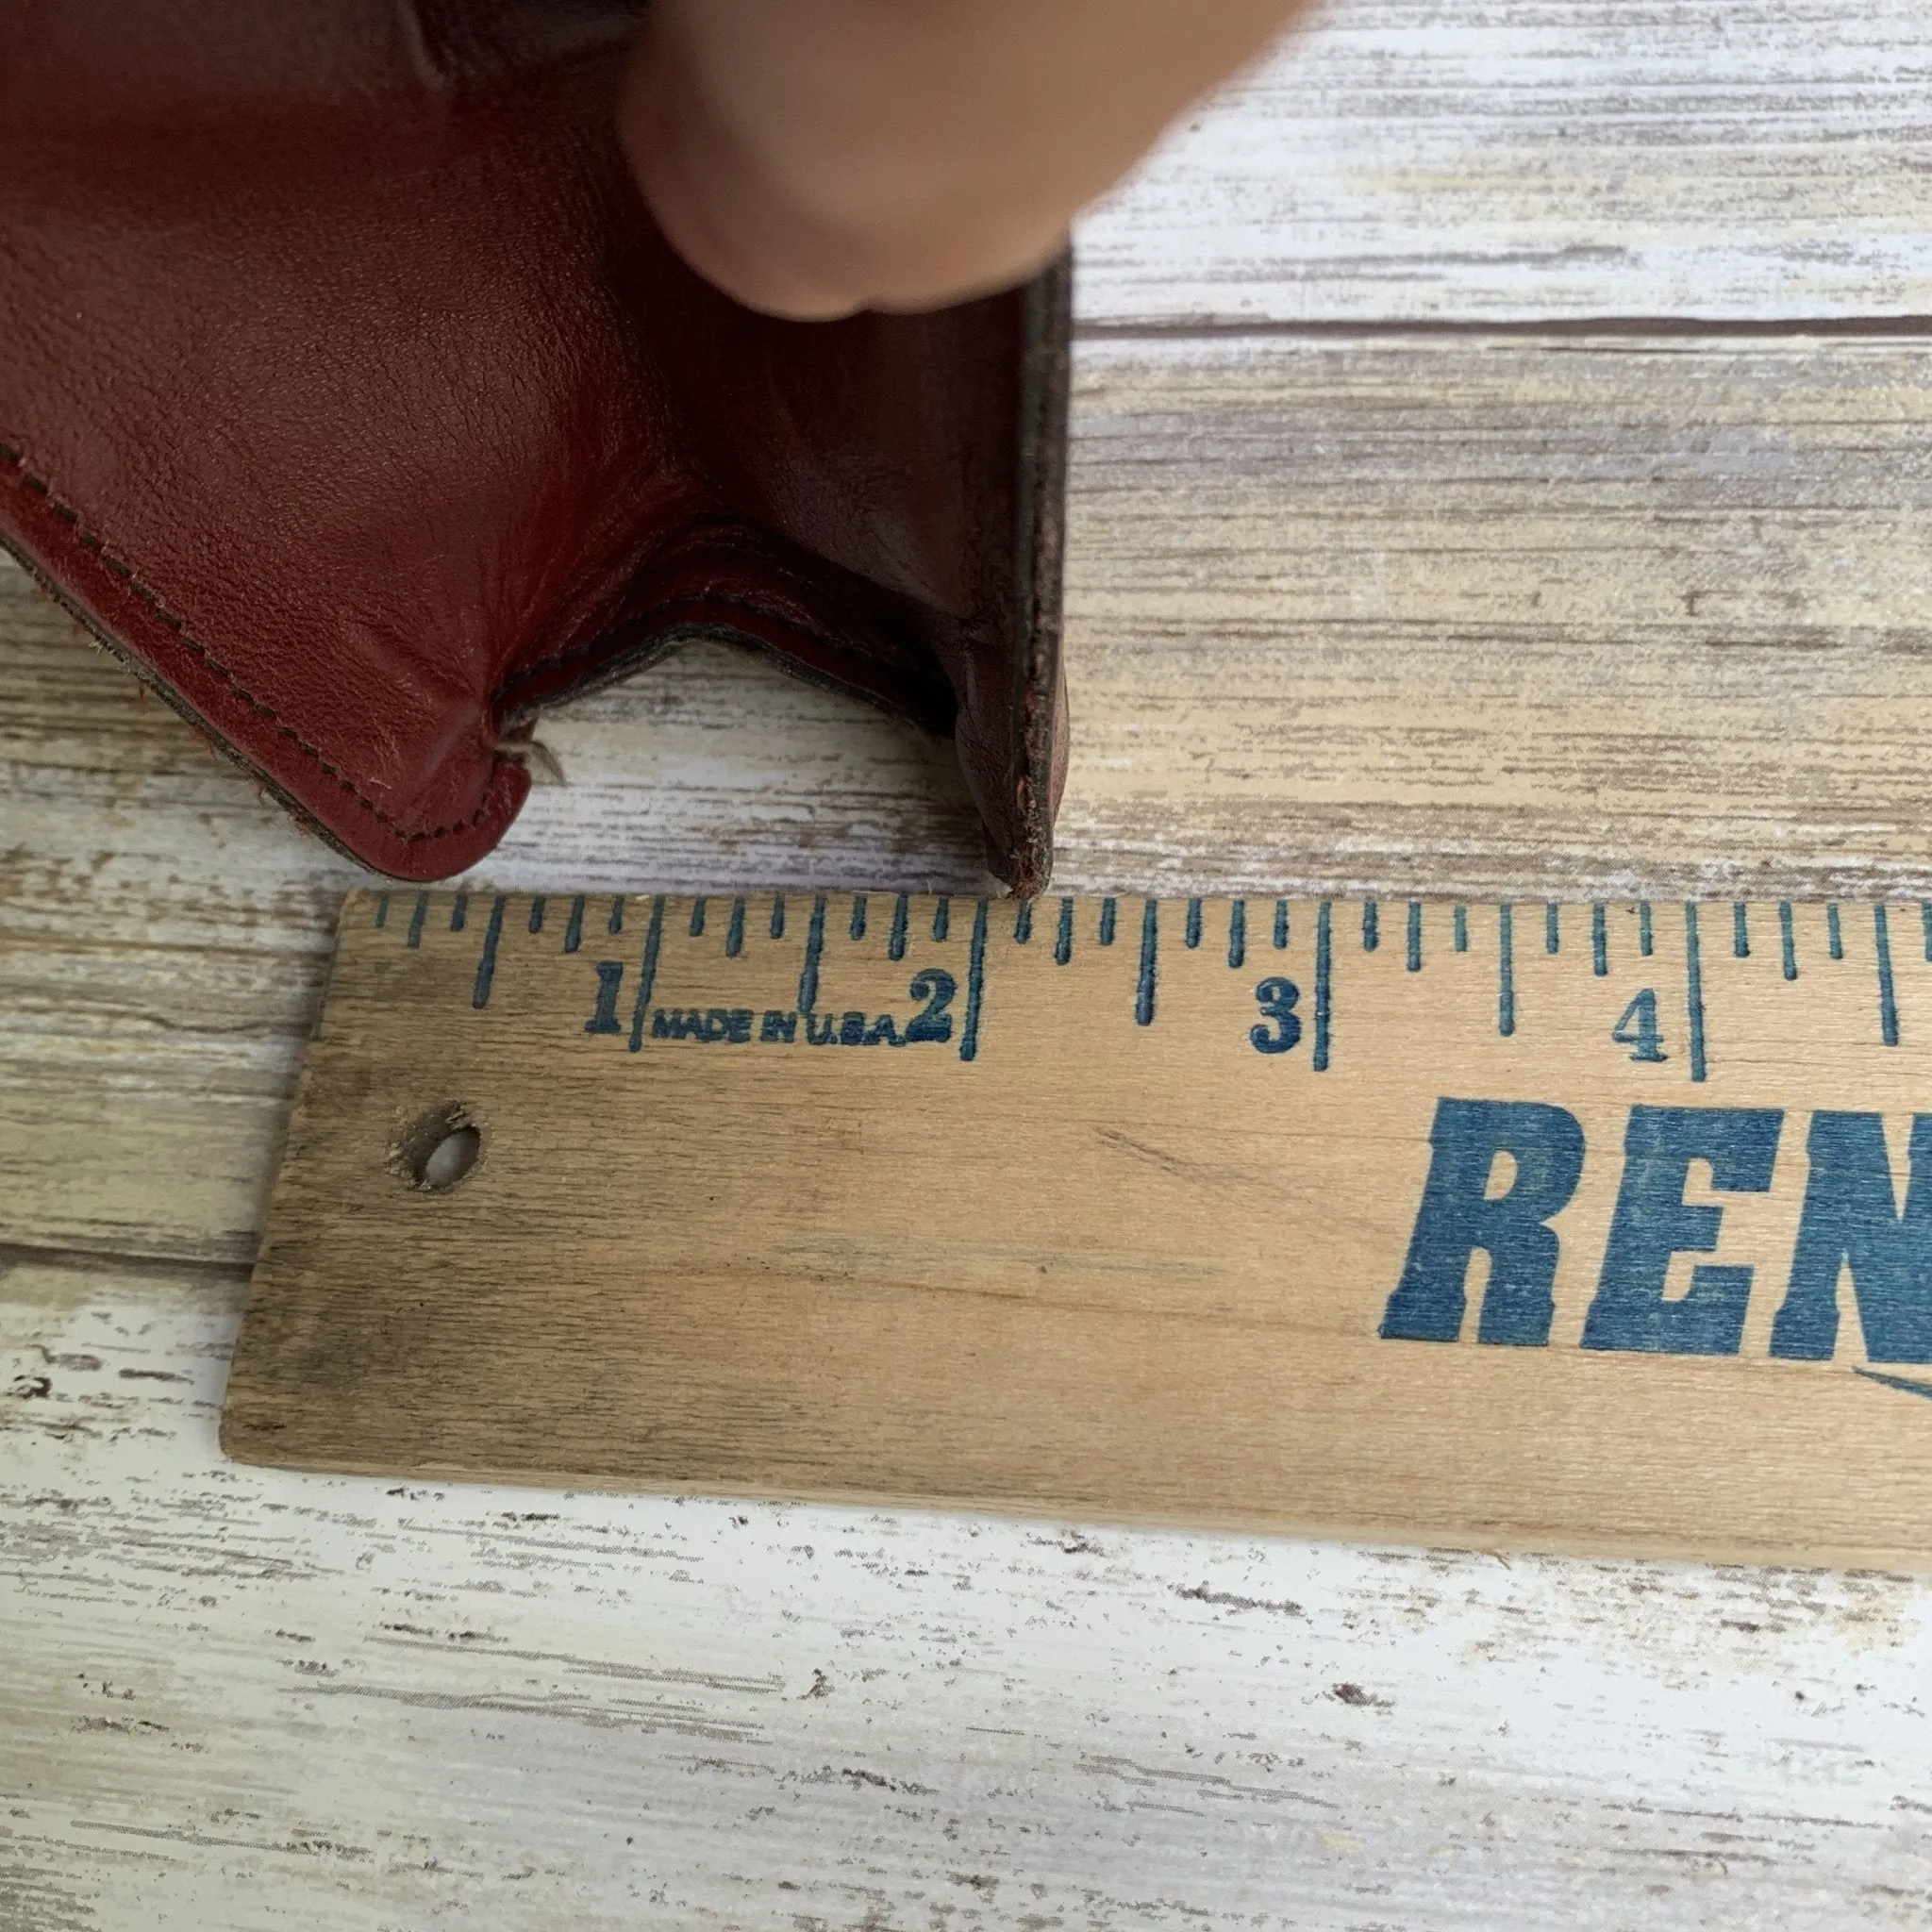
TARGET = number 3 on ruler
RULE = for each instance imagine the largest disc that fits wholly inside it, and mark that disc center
(1276, 999)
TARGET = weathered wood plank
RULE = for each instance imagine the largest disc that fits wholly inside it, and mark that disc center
(232, 1693)
(1597, 618)
(1612, 617)
(1405, 159)
(1086, 1250)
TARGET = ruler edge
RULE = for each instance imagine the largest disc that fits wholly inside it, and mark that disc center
(1876, 1560)
(244, 1442)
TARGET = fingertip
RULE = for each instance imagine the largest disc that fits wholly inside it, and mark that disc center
(695, 182)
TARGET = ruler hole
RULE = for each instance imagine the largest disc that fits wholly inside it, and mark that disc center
(440, 1149)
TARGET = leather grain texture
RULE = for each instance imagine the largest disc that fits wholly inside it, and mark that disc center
(349, 390)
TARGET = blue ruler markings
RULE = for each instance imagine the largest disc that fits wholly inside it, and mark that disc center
(1693, 989)
(976, 986)
(1888, 994)
(1323, 990)
(1150, 952)
(486, 965)
(647, 973)
(814, 953)
(1147, 982)
(1505, 970)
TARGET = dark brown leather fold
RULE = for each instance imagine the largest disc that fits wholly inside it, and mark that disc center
(347, 388)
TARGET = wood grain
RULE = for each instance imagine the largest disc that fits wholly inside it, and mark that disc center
(232, 1695)
(1414, 160)
(1090, 1251)
(364, 1705)
(1618, 615)
(1622, 617)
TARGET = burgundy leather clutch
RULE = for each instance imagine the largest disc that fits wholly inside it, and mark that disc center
(347, 390)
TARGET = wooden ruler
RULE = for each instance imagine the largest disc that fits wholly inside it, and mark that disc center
(1592, 1227)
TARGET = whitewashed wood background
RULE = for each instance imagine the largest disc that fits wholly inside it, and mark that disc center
(1503, 460)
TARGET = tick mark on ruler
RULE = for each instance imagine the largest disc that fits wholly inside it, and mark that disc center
(698, 919)
(1787, 938)
(1693, 977)
(381, 910)
(1552, 935)
(1414, 961)
(460, 912)
(1110, 911)
(1323, 962)
(615, 923)
(1461, 925)
(976, 986)
(417, 917)
(1645, 937)
(814, 952)
(1238, 934)
(1833, 933)
(895, 940)
(856, 929)
(1506, 956)
(1887, 997)
(1022, 923)
(536, 913)
(647, 973)
(573, 926)
(1371, 927)
(1063, 938)
(942, 918)
(1281, 926)
(1193, 935)
(1741, 931)
(486, 966)
(734, 930)
(1599, 943)
(1150, 948)
(777, 923)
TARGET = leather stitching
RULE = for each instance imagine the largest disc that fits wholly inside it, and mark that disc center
(88, 540)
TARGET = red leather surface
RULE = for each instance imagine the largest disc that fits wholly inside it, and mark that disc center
(347, 388)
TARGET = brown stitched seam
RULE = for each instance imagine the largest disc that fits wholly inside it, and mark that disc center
(88, 540)
(16, 459)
